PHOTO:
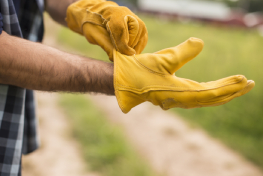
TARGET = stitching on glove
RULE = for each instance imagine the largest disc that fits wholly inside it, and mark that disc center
(170, 88)
(88, 19)
(116, 69)
(112, 37)
(127, 29)
(100, 16)
(140, 42)
(192, 89)
(120, 101)
(117, 90)
(209, 101)
(228, 82)
(150, 70)
(126, 26)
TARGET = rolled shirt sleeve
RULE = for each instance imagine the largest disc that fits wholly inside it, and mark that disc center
(1, 23)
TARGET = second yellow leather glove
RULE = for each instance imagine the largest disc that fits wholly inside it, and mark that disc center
(108, 25)
(150, 77)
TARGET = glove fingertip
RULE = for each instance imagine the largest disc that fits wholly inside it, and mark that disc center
(250, 85)
(196, 44)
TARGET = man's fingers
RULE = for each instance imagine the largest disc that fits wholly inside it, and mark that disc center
(120, 38)
(129, 38)
(132, 25)
(142, 38)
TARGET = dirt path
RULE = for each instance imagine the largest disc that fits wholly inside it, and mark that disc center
(171, 146)
(59, 154)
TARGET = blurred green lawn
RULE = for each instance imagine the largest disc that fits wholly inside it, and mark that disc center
(228, 51)
(104, 146)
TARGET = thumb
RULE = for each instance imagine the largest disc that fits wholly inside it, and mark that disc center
(123, 34)
(172, 59)
(133, 28)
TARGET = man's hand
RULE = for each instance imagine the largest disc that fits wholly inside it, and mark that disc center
(108, 25)
(35, 66)
(150, 77)
(57, 9)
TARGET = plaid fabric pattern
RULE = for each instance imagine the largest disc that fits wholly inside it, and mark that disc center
(31, 23)
(30, 140)
(11, 130)
(10, 20)
(1, 23)
(31, 19)
(17, 107)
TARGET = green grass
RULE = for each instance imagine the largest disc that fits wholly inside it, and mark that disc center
(103, 145)
(228, 51)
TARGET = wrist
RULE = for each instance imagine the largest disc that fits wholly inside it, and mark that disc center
(93, 76)
(101, 77)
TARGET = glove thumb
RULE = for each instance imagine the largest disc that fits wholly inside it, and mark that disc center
(133, 28)
(126, 38)
(172, 59)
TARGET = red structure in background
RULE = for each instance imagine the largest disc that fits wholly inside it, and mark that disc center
(214, 13)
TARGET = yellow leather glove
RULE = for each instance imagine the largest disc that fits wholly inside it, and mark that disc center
(150, 77)
(108, 25)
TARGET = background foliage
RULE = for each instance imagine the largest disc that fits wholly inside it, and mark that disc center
(228, 51)
(249, 5)
(103, 145)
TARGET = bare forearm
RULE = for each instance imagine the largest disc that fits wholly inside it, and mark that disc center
(39, 67)
(57, 9)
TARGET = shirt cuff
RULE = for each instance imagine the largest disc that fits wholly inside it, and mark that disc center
(1, 24)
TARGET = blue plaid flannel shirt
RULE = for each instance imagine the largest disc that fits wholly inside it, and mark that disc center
(18, 124)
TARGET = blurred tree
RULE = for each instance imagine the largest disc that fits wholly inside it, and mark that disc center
(128, 3)
(255, 5)
(134, 2)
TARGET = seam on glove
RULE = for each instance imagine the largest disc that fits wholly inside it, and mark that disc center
(99, 15)
(92, 21)
(210, 102)
(117, 92)
(157, 87)
(170, 88)
(150, 70)
(116, 72)
(142, 40)
(119, 101)
(127, 29)
(112, 37)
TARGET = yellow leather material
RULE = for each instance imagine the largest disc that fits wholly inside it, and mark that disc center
(108, 25)
(150, 77)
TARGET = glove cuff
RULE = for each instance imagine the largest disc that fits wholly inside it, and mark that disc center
(126, 99)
